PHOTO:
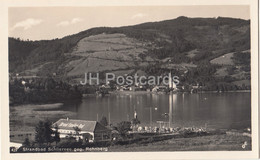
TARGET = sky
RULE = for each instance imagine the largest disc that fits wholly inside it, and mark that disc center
(38, 23)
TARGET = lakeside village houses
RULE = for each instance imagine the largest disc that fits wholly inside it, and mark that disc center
(87, 130)
(27, 80)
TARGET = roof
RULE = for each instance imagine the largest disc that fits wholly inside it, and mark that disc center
(83, 125)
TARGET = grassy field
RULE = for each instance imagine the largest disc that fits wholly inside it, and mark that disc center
(205, 143)
(221, 72)
(191, 53)
(226, 59)
(25, 117)
(105, 52)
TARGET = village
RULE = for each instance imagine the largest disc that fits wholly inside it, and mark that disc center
(105, 87)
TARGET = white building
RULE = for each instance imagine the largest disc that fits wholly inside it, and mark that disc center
(94, 130)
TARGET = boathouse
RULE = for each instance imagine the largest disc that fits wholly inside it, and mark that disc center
(88, 130)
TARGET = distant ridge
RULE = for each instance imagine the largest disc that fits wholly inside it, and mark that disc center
(185, 41)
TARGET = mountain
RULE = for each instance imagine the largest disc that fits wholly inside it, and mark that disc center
(199, 50)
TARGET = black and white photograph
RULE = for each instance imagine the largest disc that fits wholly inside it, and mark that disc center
(136, 78)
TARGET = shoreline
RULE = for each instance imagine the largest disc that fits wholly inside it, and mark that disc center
(133, 93)
(150, 92)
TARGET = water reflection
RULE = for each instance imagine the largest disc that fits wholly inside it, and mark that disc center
(226, 110)
(172, 107)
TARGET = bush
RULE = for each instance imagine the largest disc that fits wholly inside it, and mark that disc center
(123, 127)
(69, 143)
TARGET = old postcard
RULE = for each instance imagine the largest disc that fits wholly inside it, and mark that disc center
(126, 80)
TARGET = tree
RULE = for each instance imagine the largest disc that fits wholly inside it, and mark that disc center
(39, 133)
(135, 121)
(123, 127)
(26, 142)
(48, 132)
(77, 130)
(56, 137)
(103, 121)
(43, 133)
(87, 137)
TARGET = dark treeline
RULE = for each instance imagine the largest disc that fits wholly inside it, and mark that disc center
(241, 58)
(22, 91)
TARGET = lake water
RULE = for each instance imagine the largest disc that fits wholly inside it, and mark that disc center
(215, 110)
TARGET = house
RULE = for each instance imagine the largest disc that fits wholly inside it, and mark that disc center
(132, 88)
(159, 88)
(88, 130)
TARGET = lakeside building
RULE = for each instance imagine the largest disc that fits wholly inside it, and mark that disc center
(87, 130)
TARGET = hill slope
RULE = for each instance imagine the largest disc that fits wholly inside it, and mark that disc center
(182, 44)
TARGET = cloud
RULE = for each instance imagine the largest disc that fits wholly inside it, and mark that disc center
(76, 20)
(28, 23)
(73, 21)
(138, 15)
(63, 23)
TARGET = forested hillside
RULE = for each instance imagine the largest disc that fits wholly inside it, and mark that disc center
(192, 47)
